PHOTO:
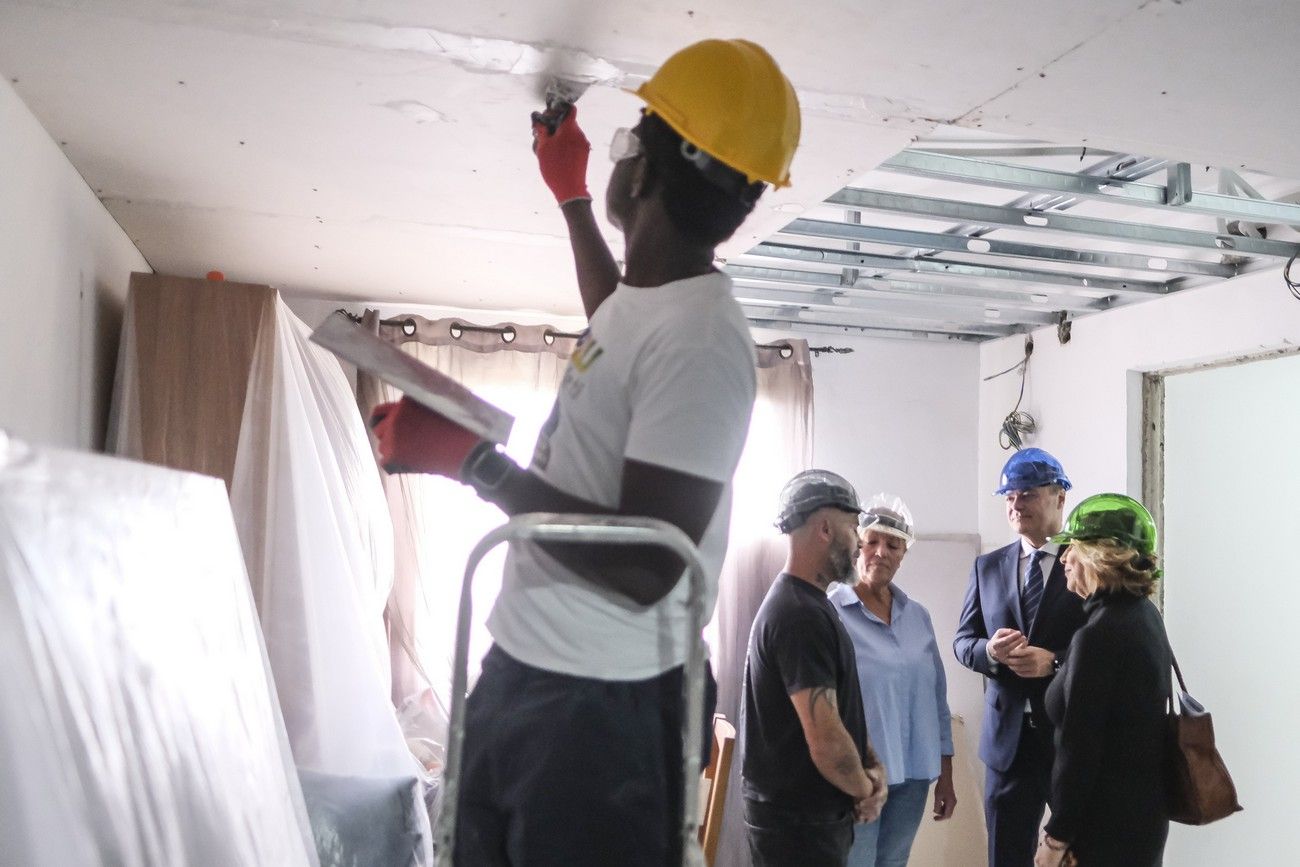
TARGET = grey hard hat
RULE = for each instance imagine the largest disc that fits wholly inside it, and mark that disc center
(812, 490)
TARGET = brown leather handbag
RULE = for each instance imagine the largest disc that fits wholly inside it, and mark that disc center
(1200, 789)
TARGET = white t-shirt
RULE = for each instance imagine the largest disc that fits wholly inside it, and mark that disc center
(664, 376)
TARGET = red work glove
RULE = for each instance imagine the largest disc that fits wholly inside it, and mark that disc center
(563, 158)
(415, 439)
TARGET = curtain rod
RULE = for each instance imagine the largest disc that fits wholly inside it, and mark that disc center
(507, 334)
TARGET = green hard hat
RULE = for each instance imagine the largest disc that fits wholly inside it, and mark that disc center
(1111, 516)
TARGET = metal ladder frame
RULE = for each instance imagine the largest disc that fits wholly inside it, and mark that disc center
(553, 527)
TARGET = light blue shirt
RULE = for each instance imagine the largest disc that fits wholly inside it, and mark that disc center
(904, 690)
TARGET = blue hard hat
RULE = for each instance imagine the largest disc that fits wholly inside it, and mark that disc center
(1031, 468)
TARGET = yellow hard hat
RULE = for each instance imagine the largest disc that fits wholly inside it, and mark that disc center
(728, 98)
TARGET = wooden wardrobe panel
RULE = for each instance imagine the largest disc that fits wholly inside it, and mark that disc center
(194, 345)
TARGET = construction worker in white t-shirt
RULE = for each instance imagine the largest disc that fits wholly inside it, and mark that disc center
(573, 743)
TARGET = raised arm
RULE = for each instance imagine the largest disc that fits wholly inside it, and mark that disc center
(562, 158)
(598, 273)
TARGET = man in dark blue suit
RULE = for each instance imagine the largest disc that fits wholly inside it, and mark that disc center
(1015, 626)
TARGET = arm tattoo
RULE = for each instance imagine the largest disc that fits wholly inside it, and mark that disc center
(822, 695)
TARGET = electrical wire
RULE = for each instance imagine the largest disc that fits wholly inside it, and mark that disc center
(1017, 424)
(1292, 286)
(1005, 372)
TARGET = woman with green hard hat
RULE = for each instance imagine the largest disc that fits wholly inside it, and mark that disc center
(1108, 702)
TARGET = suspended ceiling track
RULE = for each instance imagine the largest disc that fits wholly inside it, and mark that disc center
(1055, 221)
(958, 283)
(939, 269)
(1176, 194)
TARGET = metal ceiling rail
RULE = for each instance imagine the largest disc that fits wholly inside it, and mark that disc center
(897, 287)
(1183, 198)
(1129, 167)
(972, 149)
(1057, 221)
(910, 333)
(787, 275)
(957, 243)
(795, 313)
(874, 287)
(932, 267)
(825, 309)
(936, 310)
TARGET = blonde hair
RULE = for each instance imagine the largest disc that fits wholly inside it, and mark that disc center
(1113, 566)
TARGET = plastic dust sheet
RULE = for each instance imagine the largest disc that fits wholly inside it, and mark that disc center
(138, 721)
(318, 540)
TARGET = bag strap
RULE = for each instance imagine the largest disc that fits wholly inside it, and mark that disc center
(1178, 672)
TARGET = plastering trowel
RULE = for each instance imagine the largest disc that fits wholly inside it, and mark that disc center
(560, 94)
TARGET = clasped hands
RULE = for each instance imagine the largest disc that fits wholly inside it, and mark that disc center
(1054, 853)
(868, 809)
(1011, 648)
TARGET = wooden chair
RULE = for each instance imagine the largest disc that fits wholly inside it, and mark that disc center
(715, 779)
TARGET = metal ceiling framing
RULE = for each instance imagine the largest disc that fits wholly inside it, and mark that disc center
(954, 267)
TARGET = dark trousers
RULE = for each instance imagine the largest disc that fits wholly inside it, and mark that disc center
(1014, 799)
(788, 838)
(571, 771)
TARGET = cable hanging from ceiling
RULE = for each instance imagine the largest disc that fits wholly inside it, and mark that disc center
(1293, 286)
(1017, 425)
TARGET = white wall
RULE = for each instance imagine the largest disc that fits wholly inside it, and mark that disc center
(1232, 448)
(64, 267)
(1080, 392)
(899, 416)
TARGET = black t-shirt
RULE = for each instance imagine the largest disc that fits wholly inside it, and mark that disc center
(797, 643)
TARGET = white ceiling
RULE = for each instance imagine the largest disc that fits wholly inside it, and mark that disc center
(379, 150)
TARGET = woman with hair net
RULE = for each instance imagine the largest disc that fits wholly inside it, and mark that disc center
(904, 690)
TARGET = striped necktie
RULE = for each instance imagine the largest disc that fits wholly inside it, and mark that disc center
(1033, 592)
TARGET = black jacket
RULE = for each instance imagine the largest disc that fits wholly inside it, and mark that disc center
(1109, 706)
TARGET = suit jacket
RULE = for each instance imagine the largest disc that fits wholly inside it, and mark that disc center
(993, 602)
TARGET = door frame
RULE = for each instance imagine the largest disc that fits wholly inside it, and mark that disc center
(1147, 390)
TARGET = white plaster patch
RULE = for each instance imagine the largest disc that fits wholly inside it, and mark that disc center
(478, 54)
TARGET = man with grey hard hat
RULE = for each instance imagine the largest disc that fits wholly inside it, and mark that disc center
(808, 771)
